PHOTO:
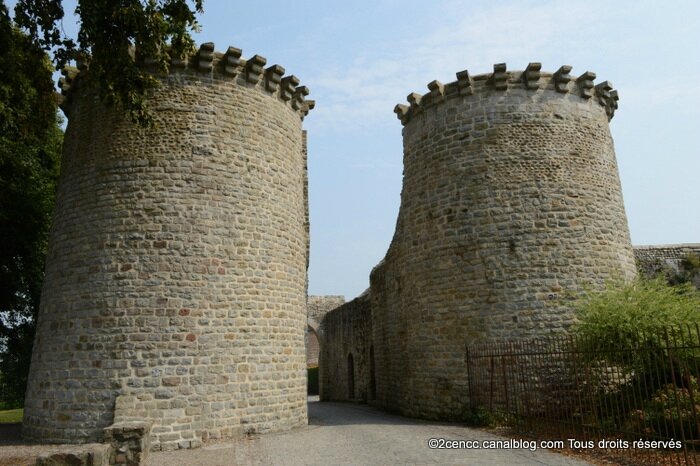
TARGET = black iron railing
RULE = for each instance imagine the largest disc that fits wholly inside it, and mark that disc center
(637, 401)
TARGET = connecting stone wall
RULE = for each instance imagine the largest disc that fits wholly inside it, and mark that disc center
(511, 202)
(317, 308)
(653, 259)
(175, 289)
(347, 366)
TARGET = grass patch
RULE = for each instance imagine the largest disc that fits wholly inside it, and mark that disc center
(11, 416)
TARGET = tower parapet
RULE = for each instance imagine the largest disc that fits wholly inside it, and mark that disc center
(501, 80)
(206, 61)
(175, 286)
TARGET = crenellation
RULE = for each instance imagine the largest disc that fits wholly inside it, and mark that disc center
(307, 106)
(232, 61)
(437, 92)
(531, 75)
(402, 112)
(273, 77)
(464, 83)
(226, 66)
(532, 79)
(562, 79)
(254, 68)
(298, 98)
(607, 97)
(603, 91)
(289, 83)
(612, 103)
(585, 84)
(414, 101)
(205, 57)
(499, 78)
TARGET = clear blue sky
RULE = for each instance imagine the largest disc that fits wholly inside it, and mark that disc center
(360, 58)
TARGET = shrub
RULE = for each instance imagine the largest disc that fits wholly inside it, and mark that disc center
(625, 315)
(644, 329)
(669, 410)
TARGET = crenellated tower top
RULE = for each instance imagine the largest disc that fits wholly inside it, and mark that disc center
(531, 79)
(227, 65)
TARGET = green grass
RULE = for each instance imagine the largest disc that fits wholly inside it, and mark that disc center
(11, 415)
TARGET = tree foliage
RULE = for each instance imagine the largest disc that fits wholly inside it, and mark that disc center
(30, 144)
(109, 33)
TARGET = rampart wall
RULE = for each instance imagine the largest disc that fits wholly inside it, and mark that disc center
(653, 259)
(317, 308)
(346, 359)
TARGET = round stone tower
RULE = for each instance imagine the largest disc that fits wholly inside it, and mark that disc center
(175, 289)
(511, 203)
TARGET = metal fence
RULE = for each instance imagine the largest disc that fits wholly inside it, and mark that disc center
(635, 401)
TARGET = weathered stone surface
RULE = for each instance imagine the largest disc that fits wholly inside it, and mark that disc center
(346, 360)
(317, 308)
(175, 288)
(130, 442)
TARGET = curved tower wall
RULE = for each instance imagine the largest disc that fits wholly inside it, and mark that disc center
(511, 203)
(175, 289)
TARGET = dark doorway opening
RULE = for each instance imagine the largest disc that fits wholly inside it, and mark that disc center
(372, 376)
(313, 356)
(351, 377)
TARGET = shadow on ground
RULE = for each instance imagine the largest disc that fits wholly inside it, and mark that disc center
(11, 434)
(342, 413)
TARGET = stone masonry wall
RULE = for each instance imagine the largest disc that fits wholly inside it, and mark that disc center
(175, 289)
(348, 336)
(652, 259)
(511, 202)
(317, 308)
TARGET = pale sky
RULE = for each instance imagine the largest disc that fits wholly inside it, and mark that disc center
(360, 58)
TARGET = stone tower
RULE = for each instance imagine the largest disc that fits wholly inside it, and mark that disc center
(175, 288)
(511, 203)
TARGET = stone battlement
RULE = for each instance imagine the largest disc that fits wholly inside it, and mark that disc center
(532, 79)
(228, 65)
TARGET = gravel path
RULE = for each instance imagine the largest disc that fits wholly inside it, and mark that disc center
(351, 434)
(338, 434)
(15, 451)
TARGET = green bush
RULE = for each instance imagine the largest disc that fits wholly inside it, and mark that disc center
(643, 313)
(643, 339)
